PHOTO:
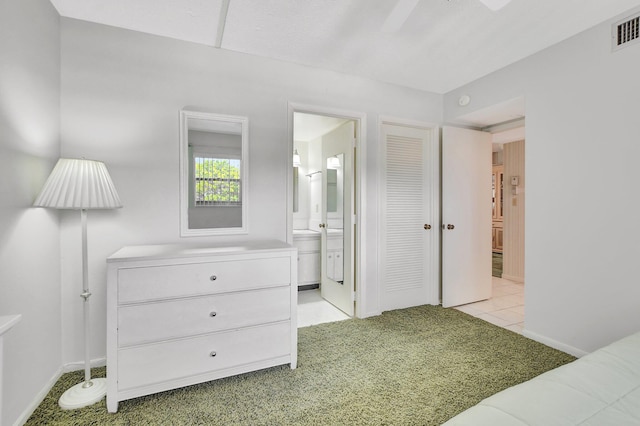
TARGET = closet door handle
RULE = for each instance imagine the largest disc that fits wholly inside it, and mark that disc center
(427, 226)
(321, 225)
(450, 226)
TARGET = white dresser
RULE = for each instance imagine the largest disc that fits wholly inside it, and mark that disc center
(184, 314)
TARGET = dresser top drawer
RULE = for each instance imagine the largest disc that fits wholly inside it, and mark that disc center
(167, 252)
(194, 279)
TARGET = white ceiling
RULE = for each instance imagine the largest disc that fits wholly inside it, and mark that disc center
(442, 45)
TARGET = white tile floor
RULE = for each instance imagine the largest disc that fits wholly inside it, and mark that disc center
(506, 307)
(313, 309)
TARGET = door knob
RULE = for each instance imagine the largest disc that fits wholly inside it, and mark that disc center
(450, 226)
(427, 226)
(321, 225)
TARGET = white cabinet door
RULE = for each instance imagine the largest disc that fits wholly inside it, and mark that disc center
(308, 268)
(466, 216)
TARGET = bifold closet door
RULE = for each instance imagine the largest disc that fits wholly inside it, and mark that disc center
(409, 234)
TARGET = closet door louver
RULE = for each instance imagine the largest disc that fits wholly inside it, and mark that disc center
(405, 249)
(405, 245)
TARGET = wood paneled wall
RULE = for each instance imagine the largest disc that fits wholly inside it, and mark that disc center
(513, 258)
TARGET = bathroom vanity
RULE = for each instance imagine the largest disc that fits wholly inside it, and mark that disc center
(308, 244)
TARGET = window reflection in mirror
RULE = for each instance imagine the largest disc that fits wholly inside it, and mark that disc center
(334, 188)
(213, 173)
(296, 175)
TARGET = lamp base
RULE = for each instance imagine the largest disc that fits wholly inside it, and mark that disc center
(79, 396)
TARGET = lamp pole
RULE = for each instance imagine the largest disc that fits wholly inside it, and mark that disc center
(85, 305)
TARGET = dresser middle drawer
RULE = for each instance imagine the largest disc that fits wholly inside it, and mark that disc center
(170, 319)
(194, 279)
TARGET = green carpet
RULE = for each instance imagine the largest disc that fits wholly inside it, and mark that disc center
(496, 265)
(416, 366)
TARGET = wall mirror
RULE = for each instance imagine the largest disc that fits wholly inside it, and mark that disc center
(296, 189)
(213, 174)
(334, 191)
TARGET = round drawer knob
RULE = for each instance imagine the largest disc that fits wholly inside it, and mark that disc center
(212, 354)
(213, 314)
(213, 278)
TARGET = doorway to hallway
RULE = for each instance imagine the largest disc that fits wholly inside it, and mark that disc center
(505, 308)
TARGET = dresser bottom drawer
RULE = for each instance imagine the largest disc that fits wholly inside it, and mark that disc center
(159, 362)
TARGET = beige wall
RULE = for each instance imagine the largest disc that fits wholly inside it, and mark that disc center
(513, 212)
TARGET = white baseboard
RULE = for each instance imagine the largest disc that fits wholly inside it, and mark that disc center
(370, 314)
(554, 344)
(72, 366)
(39, 398)
(513, 278)
(79, 365)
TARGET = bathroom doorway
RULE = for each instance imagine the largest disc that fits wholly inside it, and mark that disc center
(324, 203)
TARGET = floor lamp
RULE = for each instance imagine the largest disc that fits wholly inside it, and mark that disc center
(79, 184)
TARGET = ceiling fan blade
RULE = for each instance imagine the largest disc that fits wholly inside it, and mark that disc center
(495, 4)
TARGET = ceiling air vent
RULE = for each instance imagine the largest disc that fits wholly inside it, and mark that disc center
(626, 32)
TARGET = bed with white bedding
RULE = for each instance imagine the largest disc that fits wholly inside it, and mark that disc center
(599, 389)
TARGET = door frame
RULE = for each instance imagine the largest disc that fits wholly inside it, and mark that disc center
(360, 181)
(434, 286)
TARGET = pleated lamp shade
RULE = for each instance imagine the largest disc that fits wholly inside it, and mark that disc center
(79, 184)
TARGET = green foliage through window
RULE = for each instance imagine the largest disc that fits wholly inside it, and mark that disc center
(217, 181)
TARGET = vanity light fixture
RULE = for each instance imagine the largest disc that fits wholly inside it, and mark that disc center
(79, 184)
(296, 159)
(333, 162)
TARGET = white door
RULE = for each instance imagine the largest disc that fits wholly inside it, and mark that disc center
(409, 234)
(337, 278)
(466, 216)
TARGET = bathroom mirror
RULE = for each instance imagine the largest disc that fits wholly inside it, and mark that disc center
(296, 189)
(213, 174)
(334, 190)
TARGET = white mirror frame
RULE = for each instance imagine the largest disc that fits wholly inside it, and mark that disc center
(185, 231)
